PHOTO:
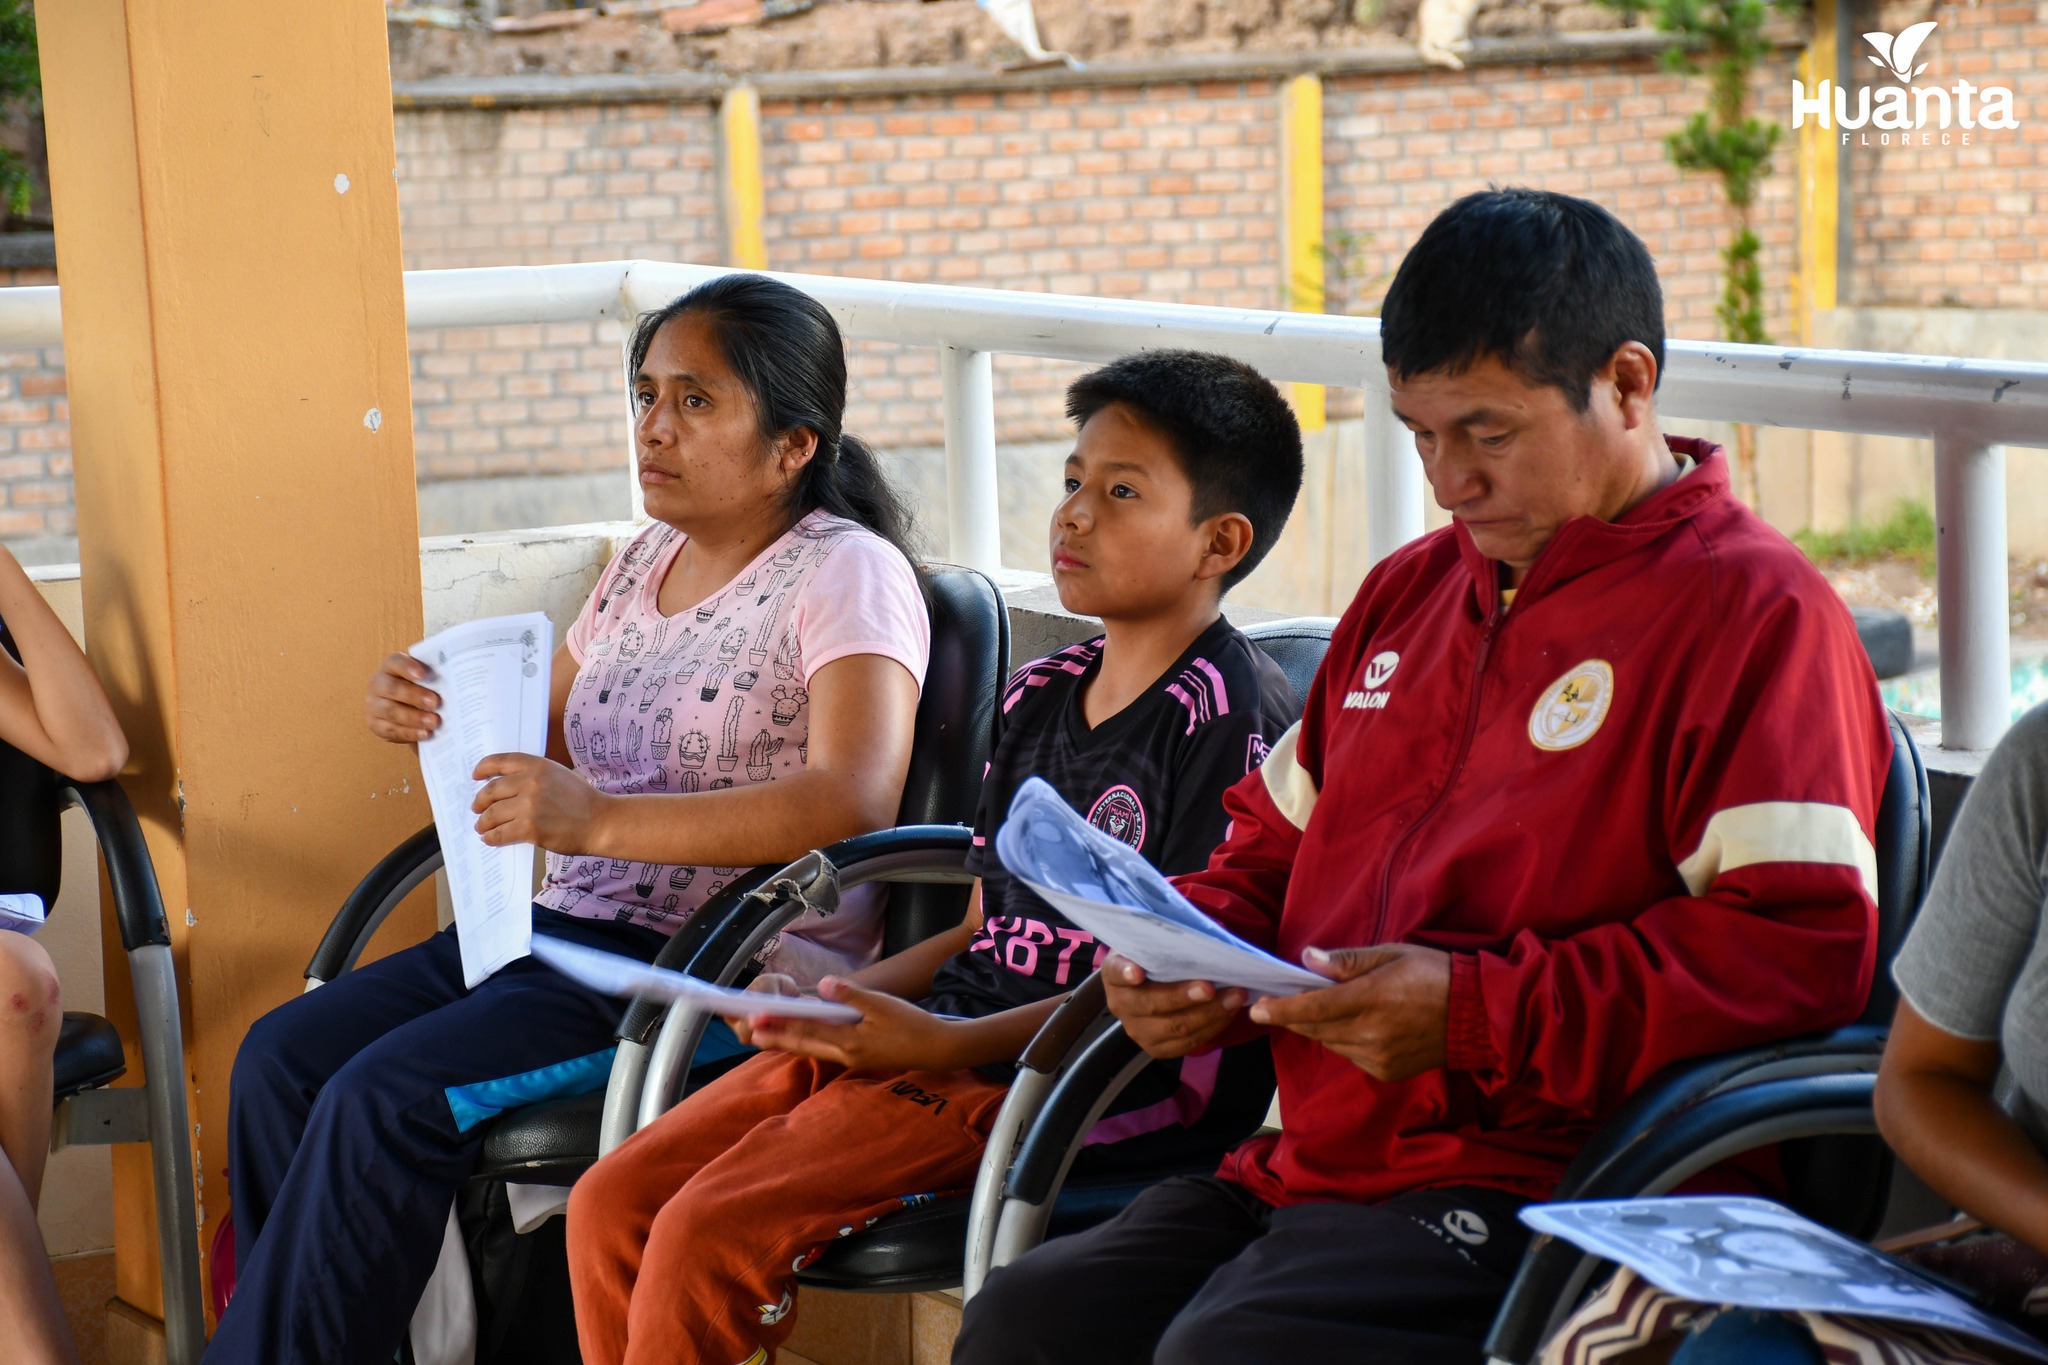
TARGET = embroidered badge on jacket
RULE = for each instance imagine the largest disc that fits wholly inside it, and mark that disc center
(1571, 709)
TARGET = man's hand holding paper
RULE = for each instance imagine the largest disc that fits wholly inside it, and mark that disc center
(1168, 1018)
(1387, 1014)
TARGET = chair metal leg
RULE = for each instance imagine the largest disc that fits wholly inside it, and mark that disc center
(1021, 1226)
(170, 1150)
(1020, 1107)
(622, 1096)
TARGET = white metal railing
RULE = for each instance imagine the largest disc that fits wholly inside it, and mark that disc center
(1971, 409)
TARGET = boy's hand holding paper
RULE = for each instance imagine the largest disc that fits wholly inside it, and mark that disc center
(1107, 888)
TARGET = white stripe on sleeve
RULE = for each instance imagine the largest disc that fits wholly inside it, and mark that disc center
(1779, 832)
(1287, 782)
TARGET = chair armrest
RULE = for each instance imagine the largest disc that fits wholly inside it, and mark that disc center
(138, 904)
(1856, 1048)
(1085, 1089)
(683, 948)
(1683, 1144)
(1075, 1019)
(394, 877)
(752, 907)
(736, 932)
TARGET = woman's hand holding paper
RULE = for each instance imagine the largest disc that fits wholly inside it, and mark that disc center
(527, 799)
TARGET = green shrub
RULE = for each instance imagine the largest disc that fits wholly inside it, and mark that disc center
(1908, 533)
(21, 83)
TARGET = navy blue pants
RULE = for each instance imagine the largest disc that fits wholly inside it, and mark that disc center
(356, 1113)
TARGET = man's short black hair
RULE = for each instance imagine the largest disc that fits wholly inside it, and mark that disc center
(1236, 437)
(1548, 285)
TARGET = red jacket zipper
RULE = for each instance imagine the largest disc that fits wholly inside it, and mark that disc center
(1493, 625)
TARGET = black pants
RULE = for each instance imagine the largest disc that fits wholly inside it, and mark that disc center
(1198, 1272)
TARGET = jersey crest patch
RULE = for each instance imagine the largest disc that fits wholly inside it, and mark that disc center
(1571, 710)
(1120, 814)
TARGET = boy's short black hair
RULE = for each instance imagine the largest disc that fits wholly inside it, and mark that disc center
(1236, 437)
(1548, 285)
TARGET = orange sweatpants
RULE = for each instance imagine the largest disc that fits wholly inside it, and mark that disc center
(685, 1242)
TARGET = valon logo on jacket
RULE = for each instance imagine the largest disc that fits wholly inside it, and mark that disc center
(1379, 671)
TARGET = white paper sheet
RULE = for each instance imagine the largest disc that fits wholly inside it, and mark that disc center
(1753, 1253)
(616, 975)
(21, 912)
(493, 678)
(1106, 887)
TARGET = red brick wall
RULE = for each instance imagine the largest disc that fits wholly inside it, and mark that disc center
(35, 436)
(542, 187)
(1167, 191)
(1398, 148)
(1160, 193)
(1164, 192)
(1958, 226)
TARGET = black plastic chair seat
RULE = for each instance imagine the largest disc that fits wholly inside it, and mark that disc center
(919, 1249)
(88, 1054)
(544, 1144)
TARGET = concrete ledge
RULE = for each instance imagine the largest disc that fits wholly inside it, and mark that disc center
(553, 569)
(516, 92)
(28, 250)
(498, 572)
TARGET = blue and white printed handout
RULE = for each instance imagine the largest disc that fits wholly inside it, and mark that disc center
(1106, 887)
(493, 677)
(612, 974)
(1752, 1253)
(21, 912)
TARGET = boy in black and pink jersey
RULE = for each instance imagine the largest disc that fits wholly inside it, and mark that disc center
(1184, 472)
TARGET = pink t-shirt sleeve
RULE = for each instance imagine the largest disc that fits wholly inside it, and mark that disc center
(864, 599)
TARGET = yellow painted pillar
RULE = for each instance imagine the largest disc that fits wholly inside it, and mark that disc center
(740, 192)
(234, 333)
(1819, 155)
(1301, 218)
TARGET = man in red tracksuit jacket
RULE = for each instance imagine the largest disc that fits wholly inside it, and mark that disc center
(1586, 785)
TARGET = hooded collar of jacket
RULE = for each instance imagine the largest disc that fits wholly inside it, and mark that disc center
(1586, 543)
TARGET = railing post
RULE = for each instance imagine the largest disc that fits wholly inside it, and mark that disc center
(1970, 585)
(974, 516)
(1393, 478)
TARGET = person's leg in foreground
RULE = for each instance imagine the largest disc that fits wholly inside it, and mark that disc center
(356, 1115)
(32, 1328)
(1740, 1336)
(714, 1208)
(1198, 1272)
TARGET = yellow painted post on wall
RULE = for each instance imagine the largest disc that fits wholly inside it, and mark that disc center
(739, 127)
(1819, 155)
(241, 412)
(1301, 218)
